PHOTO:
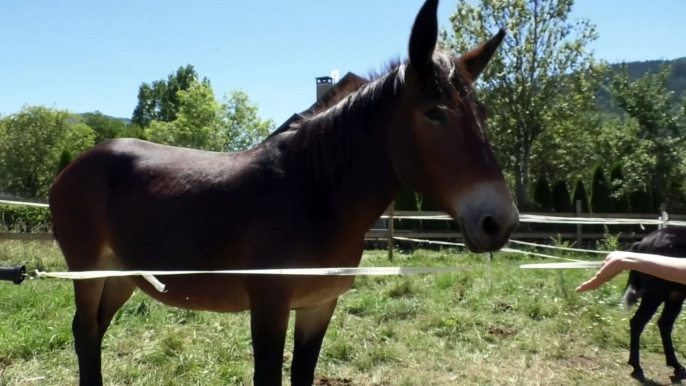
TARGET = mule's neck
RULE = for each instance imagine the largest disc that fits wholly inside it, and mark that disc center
(344, 164)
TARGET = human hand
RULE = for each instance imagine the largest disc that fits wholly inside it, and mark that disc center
(612, 267)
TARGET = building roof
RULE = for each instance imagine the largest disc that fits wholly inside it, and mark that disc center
(347, 84)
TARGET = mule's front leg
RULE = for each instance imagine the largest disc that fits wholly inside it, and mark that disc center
(310, 327)
(268, 325)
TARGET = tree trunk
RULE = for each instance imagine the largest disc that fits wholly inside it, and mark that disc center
(526, 177)
(522, 171)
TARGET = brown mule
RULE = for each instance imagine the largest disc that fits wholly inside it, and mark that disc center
(302, 198)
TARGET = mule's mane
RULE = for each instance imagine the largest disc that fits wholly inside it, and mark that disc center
(328, 140)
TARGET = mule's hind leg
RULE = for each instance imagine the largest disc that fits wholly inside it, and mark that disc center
(649, 304)
(85, 330)
(310, 327)
(666, 323)
(97, 301)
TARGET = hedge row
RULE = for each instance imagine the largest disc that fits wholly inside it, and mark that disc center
(17, 218)
(600, 199)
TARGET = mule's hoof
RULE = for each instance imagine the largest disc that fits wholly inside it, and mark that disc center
(679, 374)
(638, 375)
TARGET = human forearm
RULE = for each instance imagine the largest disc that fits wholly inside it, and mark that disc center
(668, 268)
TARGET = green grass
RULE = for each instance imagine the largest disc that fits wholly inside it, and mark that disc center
(528, 328)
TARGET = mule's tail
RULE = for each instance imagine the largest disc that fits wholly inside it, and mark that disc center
(632, 291)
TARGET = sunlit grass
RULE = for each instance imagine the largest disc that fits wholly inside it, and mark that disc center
(528, 327)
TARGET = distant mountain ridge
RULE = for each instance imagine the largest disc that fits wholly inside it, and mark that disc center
(125, 120)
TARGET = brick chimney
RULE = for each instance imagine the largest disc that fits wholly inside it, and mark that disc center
(324, 83)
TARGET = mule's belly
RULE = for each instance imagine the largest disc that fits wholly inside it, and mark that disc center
(199, 292)
(229, 293)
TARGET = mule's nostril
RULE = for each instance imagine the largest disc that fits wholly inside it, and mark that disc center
(490, 226)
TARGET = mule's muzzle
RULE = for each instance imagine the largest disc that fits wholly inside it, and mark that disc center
(487, 219)
(488, 233)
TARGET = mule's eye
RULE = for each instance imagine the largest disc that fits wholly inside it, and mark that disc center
(435, 116)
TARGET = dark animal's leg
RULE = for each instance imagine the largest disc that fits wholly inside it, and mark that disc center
(85, 329)
(310, 327)
(268, 325)
(649, 304)
(97, 301)
(666, 323)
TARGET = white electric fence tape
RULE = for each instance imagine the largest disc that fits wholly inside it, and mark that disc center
(357, 271)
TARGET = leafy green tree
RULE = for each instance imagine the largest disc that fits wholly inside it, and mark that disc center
(205, 123)
(621, 199)
(601, 192)
(660, 123)
(568, 148)
(619, 141)
(580, 194)
(105, 127)
(160, 100)
(242, 126)
(543, 74)
(65, 160)
(198, 122)
(31, 144)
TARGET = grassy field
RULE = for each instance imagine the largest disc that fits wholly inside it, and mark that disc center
(528, 328)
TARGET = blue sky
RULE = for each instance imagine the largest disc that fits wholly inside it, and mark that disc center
(93, 55)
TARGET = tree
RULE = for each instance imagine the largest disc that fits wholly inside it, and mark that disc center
(601, 192)
(543, 196)
(542, 75)
(32, 142)
(160, 100)
(621, 199)
(619, 141)
(561, 197)
(197, 124)
(204, 123)
(580, 194)
(65, 160)
(108, 128)
(660, 123)
(242, 126)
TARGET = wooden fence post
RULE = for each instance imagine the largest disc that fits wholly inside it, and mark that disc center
(391, 244)
(579, 234)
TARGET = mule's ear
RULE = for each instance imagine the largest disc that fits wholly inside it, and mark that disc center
(424, 36)
(477, 59)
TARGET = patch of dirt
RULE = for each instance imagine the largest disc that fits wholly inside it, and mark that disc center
(583, 362)
(325, 381)
(501, 332)
(503, 307)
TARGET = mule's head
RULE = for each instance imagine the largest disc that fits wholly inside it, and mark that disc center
(438, 144)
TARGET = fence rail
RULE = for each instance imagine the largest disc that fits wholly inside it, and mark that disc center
(388, 231)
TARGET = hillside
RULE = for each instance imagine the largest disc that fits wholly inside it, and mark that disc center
(676, 82)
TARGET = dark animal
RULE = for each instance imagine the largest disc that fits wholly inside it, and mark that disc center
(304, 197)
(652, 292)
